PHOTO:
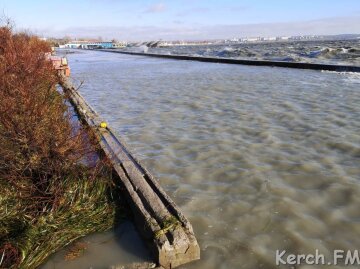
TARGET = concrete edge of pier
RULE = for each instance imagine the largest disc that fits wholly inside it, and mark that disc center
(298, 65)
(162, 225)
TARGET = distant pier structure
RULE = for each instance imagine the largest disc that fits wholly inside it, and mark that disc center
(89, 45)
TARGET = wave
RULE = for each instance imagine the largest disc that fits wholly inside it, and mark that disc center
(332, 52)
(328, 52)
(235, 52)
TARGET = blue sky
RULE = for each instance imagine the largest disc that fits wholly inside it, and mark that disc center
(183, 19)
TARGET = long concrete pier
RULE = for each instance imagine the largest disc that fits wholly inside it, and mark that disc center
(298, 65)
(164, 228)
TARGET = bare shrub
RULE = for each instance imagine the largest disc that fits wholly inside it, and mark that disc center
(38, 144)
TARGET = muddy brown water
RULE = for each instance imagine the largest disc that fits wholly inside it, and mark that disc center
(258, 158)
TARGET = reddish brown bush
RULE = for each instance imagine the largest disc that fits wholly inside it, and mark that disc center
(38, 145)
(47, 185)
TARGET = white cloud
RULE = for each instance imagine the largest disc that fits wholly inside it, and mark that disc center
(329, 26)
(160, 7)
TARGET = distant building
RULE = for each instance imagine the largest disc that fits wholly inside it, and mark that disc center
(271, 38)
(89, 45)
(250, 39)
(283, 38)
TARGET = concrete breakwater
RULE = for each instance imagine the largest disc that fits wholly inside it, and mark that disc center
(297, 65)
(168, 233)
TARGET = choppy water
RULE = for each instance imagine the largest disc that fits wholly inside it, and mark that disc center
(258, 158)
(346, 52)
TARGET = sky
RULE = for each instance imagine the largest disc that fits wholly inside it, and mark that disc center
(183, 19)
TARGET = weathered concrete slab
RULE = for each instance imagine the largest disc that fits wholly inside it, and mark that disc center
(159, 220)
(298, 65)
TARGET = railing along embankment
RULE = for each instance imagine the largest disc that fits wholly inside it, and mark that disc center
(159, 220)
(298, 65)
